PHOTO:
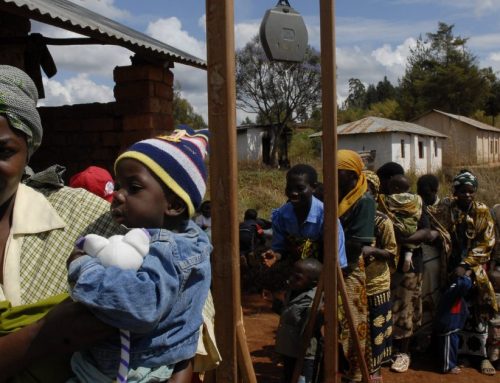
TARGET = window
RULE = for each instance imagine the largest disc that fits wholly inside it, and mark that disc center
(420, 149)
(435, 147)
(496, 147)
(402, 148)
(491, 147)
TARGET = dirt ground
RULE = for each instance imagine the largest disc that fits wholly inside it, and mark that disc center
(260, 325)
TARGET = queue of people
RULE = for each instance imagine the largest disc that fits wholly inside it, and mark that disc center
(417, 269)
(407, 260)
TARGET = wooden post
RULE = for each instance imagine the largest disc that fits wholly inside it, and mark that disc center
(223, 182)
(329, 116)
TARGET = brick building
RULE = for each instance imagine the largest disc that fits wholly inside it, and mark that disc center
(77, 136)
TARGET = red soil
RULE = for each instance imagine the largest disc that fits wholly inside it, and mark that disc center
(260, 325)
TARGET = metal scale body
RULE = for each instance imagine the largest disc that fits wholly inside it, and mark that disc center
(283, 33)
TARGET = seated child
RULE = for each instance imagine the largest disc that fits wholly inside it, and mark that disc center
(404, 209)
(294, 312)
(159, 184)
(251, 233)
(450, 318)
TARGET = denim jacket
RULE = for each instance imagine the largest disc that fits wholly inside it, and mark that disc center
(161, 303)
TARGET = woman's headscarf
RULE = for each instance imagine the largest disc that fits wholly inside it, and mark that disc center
(465, 177)
(372, 178)
(18, 98)
(350, 160)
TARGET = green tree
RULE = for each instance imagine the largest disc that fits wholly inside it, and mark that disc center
(492, 104)
(357, 94)
(385, 90)
(442, 74)
(183, 112)
(247, 121)
(279, 92)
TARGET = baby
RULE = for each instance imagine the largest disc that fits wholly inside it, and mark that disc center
(404, 209)
(160, 182)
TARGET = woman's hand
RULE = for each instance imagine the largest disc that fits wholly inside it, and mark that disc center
(68, 327)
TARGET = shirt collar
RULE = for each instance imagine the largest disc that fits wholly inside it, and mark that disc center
(33, 213)
(315, 212)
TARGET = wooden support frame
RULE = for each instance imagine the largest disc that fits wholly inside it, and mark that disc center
(236, 363)
(223, 173)
(330, 181)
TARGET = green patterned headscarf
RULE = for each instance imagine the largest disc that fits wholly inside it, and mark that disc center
(18, 98)
(465, 177)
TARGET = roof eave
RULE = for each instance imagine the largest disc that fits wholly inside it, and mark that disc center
(35, 14)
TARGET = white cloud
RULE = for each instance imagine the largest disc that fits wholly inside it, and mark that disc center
(484, 42)
(202, 22)
(477, 7)
(388, 57)
(76, 90)
(365, 32)
(244, 32)
(103, 7)
(170, 32)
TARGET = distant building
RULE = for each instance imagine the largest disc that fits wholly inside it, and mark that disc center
(380, 140)
(254, 142)
(470, 142)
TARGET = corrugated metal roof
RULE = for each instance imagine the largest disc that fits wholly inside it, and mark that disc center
(68, 15)
(470, 121)
(372, 124)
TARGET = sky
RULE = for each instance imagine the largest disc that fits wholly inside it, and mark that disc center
(374, 38)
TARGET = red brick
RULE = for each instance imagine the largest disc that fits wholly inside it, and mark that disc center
(168, 78)
(128, 138)
(110, 139)
(134, 90)
(65, 126)
(98, 124)
(165, 124)
(140, 122)
(166, 107)
(139, 106)
(124, 74)
(162, 90)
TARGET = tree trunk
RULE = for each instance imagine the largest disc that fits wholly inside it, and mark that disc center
(277, 131)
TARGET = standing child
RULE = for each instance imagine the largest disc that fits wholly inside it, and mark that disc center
(297, 227)
(294, 313)
(159, 184)
(451, 315)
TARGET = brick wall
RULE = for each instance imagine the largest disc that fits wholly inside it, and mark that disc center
(78, 136)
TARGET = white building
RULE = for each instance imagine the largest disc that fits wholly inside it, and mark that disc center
(412, 146)
(254, 142)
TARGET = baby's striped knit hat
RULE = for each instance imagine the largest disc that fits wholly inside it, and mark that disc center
(177, 160)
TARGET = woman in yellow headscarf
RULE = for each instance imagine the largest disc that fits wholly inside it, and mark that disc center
(357, 215)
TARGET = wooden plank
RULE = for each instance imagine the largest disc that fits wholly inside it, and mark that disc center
(223, 181)
(329, 116)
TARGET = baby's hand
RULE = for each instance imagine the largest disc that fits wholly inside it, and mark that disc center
(75, 254)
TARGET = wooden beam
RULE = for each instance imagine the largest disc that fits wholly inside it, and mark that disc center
(223, 182)
(329, 117)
